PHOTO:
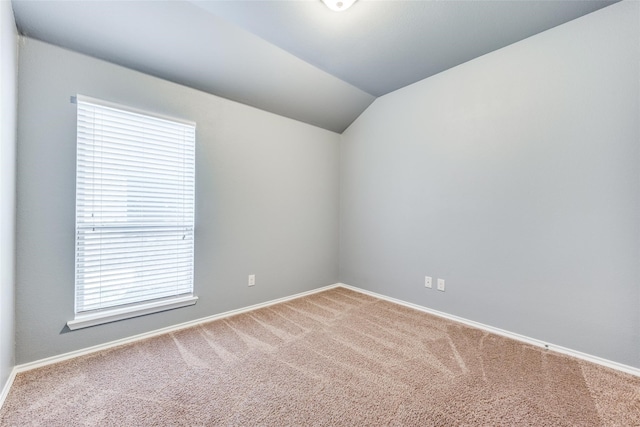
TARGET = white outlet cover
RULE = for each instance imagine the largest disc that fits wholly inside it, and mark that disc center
(252, 279)
(441, 285)
(428, 282)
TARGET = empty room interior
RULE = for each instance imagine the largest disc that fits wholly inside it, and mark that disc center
(320, 213)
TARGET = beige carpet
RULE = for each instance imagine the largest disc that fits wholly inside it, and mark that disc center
(334, 358)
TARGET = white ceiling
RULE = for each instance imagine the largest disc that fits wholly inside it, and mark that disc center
(293, 58)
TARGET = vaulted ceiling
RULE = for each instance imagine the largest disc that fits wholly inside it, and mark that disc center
(293, 58)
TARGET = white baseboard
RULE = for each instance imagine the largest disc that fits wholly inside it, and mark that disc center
(73, 354)
(7, 386)
(559, 349)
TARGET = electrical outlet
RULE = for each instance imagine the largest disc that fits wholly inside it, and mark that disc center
(252, 279)
(427, 282)
(441, 285)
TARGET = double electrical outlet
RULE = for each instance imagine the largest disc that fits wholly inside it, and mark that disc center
(428, 283)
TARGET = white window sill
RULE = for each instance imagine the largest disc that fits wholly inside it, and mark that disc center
(107, 316)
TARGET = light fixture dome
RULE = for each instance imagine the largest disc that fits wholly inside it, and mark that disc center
(339, 5)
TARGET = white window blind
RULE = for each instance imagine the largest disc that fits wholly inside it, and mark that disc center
(135, 182)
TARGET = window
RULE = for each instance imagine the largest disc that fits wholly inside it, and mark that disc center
(135, 180)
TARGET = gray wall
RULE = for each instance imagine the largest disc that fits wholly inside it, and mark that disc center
(8, 110)
(266, 188)
(515, 177)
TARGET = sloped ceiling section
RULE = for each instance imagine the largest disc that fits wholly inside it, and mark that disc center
(180, 42)
(293, 58)
(381, 46)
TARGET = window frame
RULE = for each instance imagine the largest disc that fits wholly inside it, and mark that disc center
(87, 318)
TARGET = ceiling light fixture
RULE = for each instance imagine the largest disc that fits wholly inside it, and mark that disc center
(338, 5)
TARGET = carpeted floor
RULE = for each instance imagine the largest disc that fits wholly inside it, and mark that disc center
(334, 358)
